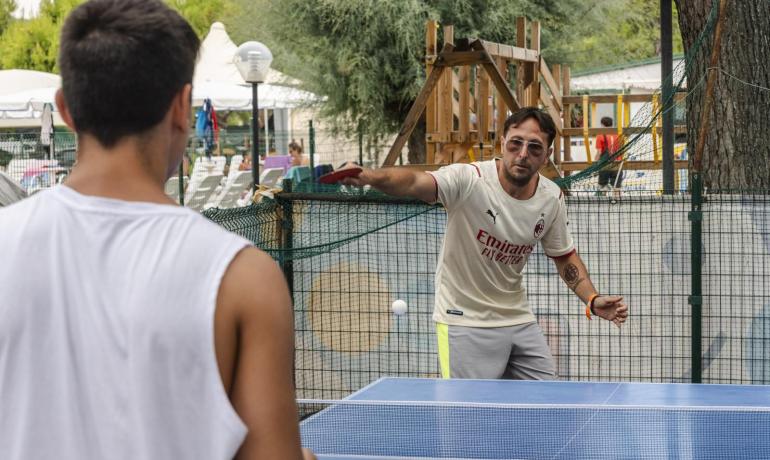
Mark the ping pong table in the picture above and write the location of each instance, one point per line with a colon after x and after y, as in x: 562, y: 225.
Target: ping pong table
x: 404, y: 418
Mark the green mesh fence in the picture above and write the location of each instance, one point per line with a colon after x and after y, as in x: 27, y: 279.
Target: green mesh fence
x: 640, y: 248
x: 692, y: 267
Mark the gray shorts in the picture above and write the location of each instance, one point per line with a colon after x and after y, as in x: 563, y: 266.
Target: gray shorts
x: 513, y: 352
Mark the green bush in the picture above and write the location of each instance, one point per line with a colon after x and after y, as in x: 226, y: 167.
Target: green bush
x: 5, y: 158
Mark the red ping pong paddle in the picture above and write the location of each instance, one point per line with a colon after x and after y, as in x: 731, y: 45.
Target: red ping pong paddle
x: 338, y: 175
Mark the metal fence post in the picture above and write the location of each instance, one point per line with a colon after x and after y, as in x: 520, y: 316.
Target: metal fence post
x: 311, y: 141
x: 696, y: 284
x: 287, y: 233
x: 360, y: 144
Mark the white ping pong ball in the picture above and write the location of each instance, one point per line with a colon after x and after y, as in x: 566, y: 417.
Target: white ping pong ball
x: 398, y: 307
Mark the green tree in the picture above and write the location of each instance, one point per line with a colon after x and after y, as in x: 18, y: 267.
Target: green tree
x: 615, y: 32
x: 366, y: 56
x: 6, y: 8
x: 34, y: 44
x: 202, y: 13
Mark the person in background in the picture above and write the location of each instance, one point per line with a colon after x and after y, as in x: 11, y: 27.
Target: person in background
x: 297, y: 157
x: 610, y: 177
x: 245, y: 163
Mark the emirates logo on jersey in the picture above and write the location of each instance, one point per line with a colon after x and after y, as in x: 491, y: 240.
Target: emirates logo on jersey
x: 539, y: 227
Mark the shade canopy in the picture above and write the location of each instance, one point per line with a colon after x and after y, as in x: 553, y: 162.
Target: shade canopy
x: 17, y: 80
x: 217, y: 78
x: 228, y: 96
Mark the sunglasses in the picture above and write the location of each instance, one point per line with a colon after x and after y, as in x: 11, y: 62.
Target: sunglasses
x: 516, y: 145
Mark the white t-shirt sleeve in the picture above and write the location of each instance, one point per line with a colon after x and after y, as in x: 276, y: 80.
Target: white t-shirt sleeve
x: 453, y: 183
x: 557, y: 241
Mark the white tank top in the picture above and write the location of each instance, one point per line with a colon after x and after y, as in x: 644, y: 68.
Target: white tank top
x: 106, y: 331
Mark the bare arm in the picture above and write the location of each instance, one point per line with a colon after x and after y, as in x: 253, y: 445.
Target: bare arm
x: 398, y: 182
x: 575, y: 275
x: 254, y: 332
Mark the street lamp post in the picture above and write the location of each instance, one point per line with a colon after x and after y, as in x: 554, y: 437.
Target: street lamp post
x: 253, y: 61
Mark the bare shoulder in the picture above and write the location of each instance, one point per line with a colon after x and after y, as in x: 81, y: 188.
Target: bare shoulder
x: 253, y: 278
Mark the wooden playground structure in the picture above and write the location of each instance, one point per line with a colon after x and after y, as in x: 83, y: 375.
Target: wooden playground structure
x: 472, y: 85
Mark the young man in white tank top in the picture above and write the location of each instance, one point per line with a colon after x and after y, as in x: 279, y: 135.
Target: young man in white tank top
x: 497, y: 211
x: 131, y: 328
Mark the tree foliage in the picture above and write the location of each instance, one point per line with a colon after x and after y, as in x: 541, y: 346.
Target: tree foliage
x: 201, y: 13
x: 6, y: 8
x: 615, y: 32
x: 367, y: 56
x: 34, y: 44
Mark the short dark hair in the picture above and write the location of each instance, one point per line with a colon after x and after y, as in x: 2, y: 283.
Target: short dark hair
x: 295, y: 146
x: 122, y: 62
x: 606, y: 121
x: 541, y: 117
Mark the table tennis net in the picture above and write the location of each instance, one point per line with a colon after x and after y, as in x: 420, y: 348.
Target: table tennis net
x: 418, y: 430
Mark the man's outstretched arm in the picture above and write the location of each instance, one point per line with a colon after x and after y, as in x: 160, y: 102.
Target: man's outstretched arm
x: 575, y: 275
x: 398, y: 182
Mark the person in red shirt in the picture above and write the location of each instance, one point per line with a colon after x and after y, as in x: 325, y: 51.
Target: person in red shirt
x: 606, y: 146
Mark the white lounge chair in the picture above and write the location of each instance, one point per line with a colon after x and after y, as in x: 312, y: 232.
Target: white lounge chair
x: 204, y: 167
x: 207, y: 187
x: 232, y: 192
x: 270, y: 177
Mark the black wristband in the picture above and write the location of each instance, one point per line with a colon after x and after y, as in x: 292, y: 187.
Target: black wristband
x: 591, y: 304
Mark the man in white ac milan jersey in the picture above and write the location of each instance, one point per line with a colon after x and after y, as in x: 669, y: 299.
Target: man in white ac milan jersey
x: 497, y: 211
x: 132, y: 328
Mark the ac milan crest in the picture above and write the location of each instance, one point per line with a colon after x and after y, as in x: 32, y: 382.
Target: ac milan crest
x: 539, y: 227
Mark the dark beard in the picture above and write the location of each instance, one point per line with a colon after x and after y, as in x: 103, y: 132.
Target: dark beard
x: 521, y: 181
x: 517, y: 181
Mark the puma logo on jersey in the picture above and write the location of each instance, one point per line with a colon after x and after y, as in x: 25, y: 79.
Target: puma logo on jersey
x: 493, y: 215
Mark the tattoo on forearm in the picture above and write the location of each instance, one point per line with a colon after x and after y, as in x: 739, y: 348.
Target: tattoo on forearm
x: 571, y: 275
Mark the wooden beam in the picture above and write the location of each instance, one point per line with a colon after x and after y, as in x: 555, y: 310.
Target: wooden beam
x: 500, y: 84
x: 465, y: 101
x: 513, y: 53
x: 626, y: 131
x: 502, y: 111
x: 550, y: 82
x: 534, y: 44
x: 414, y: 114
x: 445, y: 91
x: 630, y: 165
x: 613, y: 98
x: 521, y: 42
x: 482, y: 104
x: 431, y: 108
x: 548, y: 104
x: 557, y: 142
x: 458, y: 58
x: 567, y: 112
x: 455, y: 137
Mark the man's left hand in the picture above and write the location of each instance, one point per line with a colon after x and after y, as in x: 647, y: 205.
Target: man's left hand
x: 612, y: 308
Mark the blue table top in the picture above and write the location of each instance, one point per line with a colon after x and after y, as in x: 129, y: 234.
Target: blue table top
x: 495, y: 419
x: 565, y: 393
